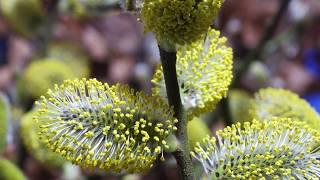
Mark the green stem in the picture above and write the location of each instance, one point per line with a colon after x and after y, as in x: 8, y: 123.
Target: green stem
x: 182, y: 155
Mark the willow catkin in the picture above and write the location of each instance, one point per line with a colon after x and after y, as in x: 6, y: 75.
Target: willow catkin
x: 110, y: 127
x: 204, y: 72
x: 179, y: 22
x: 277, y: 149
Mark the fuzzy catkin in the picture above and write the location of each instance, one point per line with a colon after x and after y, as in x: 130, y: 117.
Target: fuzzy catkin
x: 72, y: 55
x: 271, y: 102
x: 30, y: 138
x: 197, y: 130
x: 277, y: 149
x: 9, y: 171
x: 42, y: 74
x: 204, y: 72
x: 179, y: 22
x: 109, y: 127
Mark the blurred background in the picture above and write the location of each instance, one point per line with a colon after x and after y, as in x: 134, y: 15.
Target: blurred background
x: 276, y: 43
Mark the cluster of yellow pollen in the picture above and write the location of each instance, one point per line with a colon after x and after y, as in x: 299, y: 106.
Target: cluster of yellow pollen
x: 30, y: 138
x: 272, y: 102
x: 96, y: 125
x: 179, y: 22
x: 277, y: 149
x: 204, y: 71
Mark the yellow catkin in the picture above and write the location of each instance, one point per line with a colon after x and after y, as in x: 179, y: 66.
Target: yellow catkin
x: 30, y: 138
x: 204, y: 71
x: 95, y: 125
x: 72, y: 55
x: 9, y: 171
x: 272, y: 102
x: 41, y: 75
x: 179, y: 22
x: 197, y: 130
x: 277, y: 149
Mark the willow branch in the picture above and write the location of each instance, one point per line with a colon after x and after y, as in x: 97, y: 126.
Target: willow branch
x: 182, y: 155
